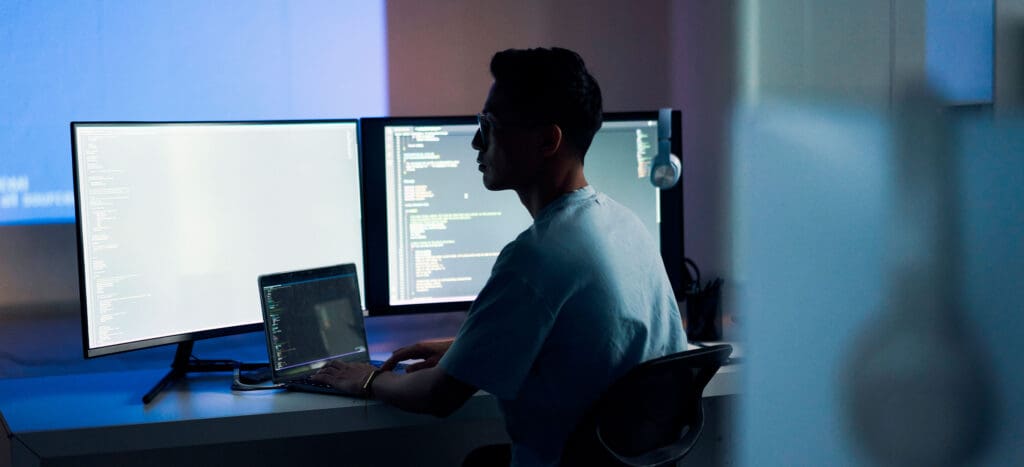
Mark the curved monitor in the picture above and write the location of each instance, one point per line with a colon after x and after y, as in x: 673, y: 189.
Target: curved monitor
x: 177, y: 220
x: 434, y: 231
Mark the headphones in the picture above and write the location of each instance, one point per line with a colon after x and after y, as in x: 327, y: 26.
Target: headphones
x: 666, y: 167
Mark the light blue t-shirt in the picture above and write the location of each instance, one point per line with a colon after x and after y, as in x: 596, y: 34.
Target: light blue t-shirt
x: 574, y: 302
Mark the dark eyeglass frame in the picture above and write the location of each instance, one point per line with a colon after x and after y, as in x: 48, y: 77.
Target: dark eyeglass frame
x: 486, y: 120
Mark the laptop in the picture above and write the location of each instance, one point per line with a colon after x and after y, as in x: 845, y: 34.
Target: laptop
x: 311, y: 317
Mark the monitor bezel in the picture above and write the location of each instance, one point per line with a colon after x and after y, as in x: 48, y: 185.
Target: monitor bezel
x: 375, y: 212
x: 91, y: 352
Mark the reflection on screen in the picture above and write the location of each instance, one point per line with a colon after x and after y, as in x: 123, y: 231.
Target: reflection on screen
x: 314, y: 320
x: 445, y: 229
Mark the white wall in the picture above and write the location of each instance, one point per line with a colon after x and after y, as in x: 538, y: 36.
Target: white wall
x: 847, y: 50
x: 704, y: 80
x: 439, y: 51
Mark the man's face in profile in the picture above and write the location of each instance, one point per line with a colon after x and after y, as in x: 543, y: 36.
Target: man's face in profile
x: 507, y: 146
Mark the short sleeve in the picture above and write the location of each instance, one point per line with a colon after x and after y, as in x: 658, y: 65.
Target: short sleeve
x: 501, y: 337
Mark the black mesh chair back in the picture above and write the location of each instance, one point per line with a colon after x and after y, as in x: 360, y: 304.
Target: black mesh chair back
x: 652, y: 416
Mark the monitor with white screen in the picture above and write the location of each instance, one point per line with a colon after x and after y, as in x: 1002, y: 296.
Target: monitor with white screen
x: 177, y: 220
x: 434, y: 231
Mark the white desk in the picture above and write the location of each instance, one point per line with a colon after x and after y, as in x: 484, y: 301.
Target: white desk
x: 64, y: 417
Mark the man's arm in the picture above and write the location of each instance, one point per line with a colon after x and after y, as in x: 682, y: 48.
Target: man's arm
x: 430, y: 351
x: 430, y: 391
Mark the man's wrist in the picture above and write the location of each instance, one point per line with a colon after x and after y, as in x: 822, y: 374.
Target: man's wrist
x: 367, y: 390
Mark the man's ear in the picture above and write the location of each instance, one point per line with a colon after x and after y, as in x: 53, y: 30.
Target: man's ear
x: 551, y: 140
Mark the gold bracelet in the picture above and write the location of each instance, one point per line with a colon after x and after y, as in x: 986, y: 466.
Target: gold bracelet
x: 367, y: 391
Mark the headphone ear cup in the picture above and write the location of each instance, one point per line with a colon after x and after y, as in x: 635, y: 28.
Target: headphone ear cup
x: 666, y: 167
x: 665, y: 171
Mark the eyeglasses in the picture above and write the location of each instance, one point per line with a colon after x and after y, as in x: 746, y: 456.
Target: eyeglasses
x: 484, y: 123
x: 486, y: 120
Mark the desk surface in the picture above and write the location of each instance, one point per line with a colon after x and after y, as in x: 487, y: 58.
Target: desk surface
x: 102, y: 412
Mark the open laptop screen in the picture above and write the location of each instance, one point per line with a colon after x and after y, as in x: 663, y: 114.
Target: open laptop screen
x: 312, y: 316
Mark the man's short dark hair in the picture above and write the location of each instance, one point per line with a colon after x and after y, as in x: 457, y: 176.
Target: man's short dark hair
x: 546, y: 86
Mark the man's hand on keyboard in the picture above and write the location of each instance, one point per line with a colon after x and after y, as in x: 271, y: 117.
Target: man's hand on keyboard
x: 344, y: 376
x: 430, y: 351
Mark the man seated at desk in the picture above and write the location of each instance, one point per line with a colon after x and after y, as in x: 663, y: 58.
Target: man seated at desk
x: 573, y: 303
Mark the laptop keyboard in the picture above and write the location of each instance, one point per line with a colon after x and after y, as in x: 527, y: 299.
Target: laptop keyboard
x: 308, y: 385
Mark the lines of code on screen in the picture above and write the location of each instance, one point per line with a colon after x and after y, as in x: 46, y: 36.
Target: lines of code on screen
x: 314, y: 320
x: 445, y: 229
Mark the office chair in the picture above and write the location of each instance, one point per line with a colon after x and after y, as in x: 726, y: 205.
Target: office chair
x: 652, y: 416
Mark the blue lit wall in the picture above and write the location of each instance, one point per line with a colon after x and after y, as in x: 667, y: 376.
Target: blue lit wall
x: 958, y: 49
x: 62, y: 61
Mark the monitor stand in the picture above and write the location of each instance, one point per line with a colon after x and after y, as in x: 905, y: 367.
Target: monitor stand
x: 184, y: 364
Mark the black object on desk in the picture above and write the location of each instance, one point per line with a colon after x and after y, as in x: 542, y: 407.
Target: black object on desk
x: 703, y: 308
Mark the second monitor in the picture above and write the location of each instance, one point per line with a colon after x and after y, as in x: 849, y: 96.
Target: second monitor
x: 435, y: 231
